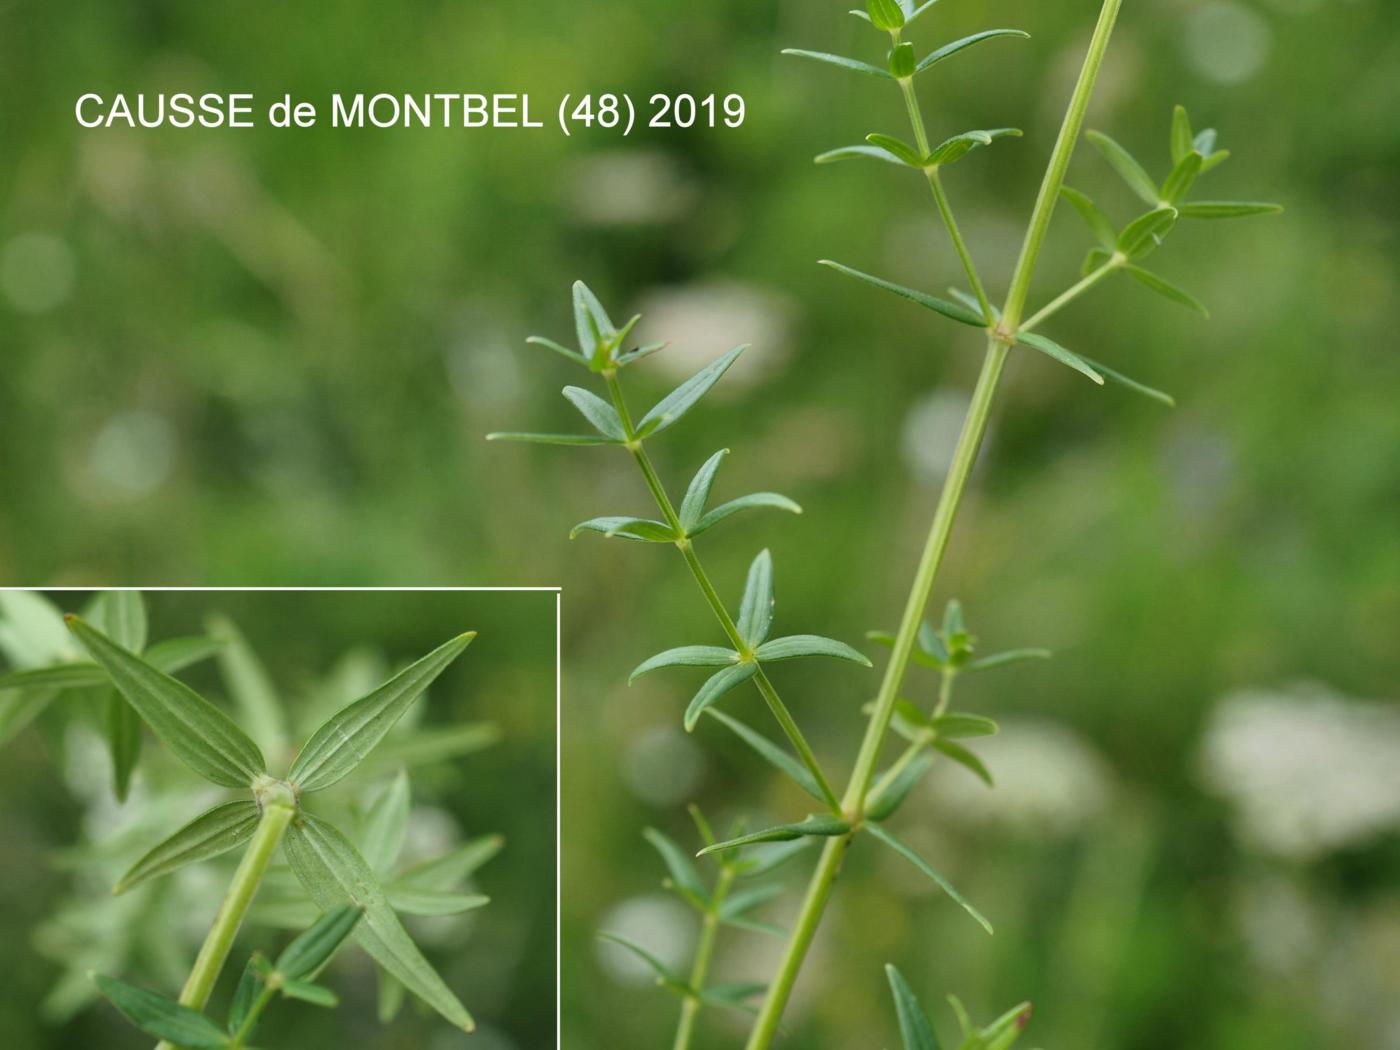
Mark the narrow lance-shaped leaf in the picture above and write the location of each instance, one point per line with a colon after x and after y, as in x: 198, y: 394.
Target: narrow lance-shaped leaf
x: 1123, y: 162
x: 697, y: 494
x: 441, y: 873
x: 930, y: 302
x: 852, y: 64
x: 598, y: 412
x: 1066, y: 357
x: 210, y: 834
x: 955, y: 148
x: 965, y: 758
x: 1163, y: 287
x: 1227, y: 209
x: 333, y: 873
x: 1115, y: 376
x: 433, y: 902
x: 249, y: 685
x: 683, y: 873
x: 686, y: 656
x: 799, y: 645
x: 899, y: 149
x: 1142, y: 235
x: 1098, y: 222
x: 892, y: 797
x: 1010, y: 656
x: 756, y: 606
x: 550, y: 439
x: 343, y: 741
x: 859, y: 152
x: 643, y: 530
x: 755, y: 500
x: 550, y: 344
x: 1183, y: 176
x: 121, y: 616
x: 715, y: 687
x: 161, y: 1017
x: 664, y: 976
x: 250, y: 984
x: 594, y: 328
x: 386, y: 824
x: 924, y: 866
x: 195, y: 731
x: 124, y: 741
x: 680, y: 400
x: 1183, y: 139
x: 308, y: 953
x: 772, y: 754
x: 813, y: 826
x: 949, y: 50
x: 914, y: 1027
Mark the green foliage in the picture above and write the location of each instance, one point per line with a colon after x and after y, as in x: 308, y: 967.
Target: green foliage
x: 916, y: 1030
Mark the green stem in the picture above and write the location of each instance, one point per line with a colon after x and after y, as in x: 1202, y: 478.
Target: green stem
x: 1073, y: 292
x: 974, y: 428
x: 716, y: 603
x: 690, y: 1008
x: 213, y: 954
x: 254, y: 1012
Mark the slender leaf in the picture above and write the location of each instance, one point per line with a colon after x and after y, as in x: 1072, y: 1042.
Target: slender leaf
x: 1143, y: 234
x: 739, y: 904
x: 333, y: 873
x: 715, y: 687
x: 1066, y: 357
x: 1162, y: 286
x: 799, y: 645
x: 249, y: 986
x: 643, y: 530
x: 686, y: 656
x: 813, y: 826
x: 195, y: 731
x: 950, y: 310
x: 1098, y: 222
x: 680, y: 400
x: 698, y: 492
x: 949, y: 50
x: 422, y: 747
x: 550, y: 344
x: 756, y: 606
x: 960, y: 724
x: 598, y: 412
x: 1183, y: 139
x: 249, y: 685
x: 161, y: 1017
x: 897, y: 148
x: 914, y: 1027
x: 342, y: 742
x: 772, y: 754
x: 683, y: 873
x: 123, y: 741
x: 855, y: 65
x: 754, y: 500
x: 210, y: 834
x: 433, y: 902
x: 955, y: 148
x: 893, y: 796
x: 1123, y: 162
x: 386, y: 824
x: 442, y: 873
x: 905, y: 851
x: 663, y: 973
x: 308, y: 953
x: 1182, y: 177
x: 760, y: 861
x: 963, y: 757
x: 594, y: 328
x: 306, y: 992
x: 551, y: 439
x: 175, y: 654
x: 121, y: 616
x: 1114, y: 376
x: 1227, y: 209
x: 1011, y: 656
x: 860, y: 152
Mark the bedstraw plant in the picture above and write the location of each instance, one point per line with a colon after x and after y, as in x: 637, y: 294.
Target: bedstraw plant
x: 328, y: 885
x: 863, y: 808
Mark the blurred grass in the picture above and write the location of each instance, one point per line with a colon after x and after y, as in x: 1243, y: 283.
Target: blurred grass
x: 308, y: 333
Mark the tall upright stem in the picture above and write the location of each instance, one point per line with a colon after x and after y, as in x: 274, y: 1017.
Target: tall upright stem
x: 276, y: 816
x: 964, y: 456
x: 700, y: 968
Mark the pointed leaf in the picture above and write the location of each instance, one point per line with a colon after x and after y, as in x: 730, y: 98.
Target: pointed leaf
x: 798, y: 645
x: 715, y: 687
x: 1227, y: 209
x: 924, y: 866
x: 634, y: 355
x: 1132, y: 384
x: 161, y: 1017
x: 852, y: 64
x: 737, y: 905
x: 550, y: 344
x: 1123, y: 162
x: 772, y: 754
x: 1162, y: 286
x: 959, y: 724
x: 175, y: 654
x: 643, y: 530
x: 422, y: 747
x: 308, y: 953
x: 249, y: 985
x: 591, y: 322
x: 1053, y: 349
x: 1182, y: 178
x: 123, y: 741
x: 195, y: 731
x: 663, y: 974
x: 698, y: 492
x: 897, y: 148
x: 683, y: 873
x: 949, y: 50
x: 598, y: 412
x: 760, y: 861
x: 1214, y: 160
x: 958, y: 146
x: 1143, y: 234
x: 249, y: 685
x: 680, y: 400
x: 210, y: 834
x: 756, y: 606
x: 1094, y: 216
x: 442, y: 873
x: 893, y: 796
x: 914, y: 1027
x: 950, y: 310
x: 551, y: 439
x: 306, y: 992
x: 1183, y: 139
x: 813, y: 826
x: 857, y: 153
x: 333, y: 873
x: 752, y: 501
x: 121, y: 616
x: 963, y: 757
x: 686, y: 656
x: 345, y: 738
x: 1011, y: 656
x: 386, y: 824
x: 433, y: 902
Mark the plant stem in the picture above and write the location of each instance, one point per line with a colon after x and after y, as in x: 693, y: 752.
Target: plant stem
x: 969, y: 440
x: 213, y: 954
x: 690, y: 1008
x: 1072, y: 293
x: 707, y: 588
x: 254, y: 1012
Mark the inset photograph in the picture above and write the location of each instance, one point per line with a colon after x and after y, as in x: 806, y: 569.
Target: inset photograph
x: 278, y: 819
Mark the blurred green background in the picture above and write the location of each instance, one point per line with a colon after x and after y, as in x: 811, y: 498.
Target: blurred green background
x: 67, y: 839
x: 270, y: 356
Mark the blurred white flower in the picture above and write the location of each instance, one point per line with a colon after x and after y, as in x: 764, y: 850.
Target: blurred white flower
x: 702, y: 321
x: 628, y: 188
x: 37, y: 272
x: 660, y: 924
x: 1307, y: 771
x: 931, y: 433
x: 1050, y: 781
x: 134, y: 453
x: 1226, y: 42
x: 662, y: 765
